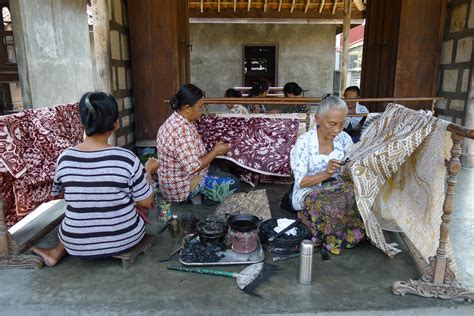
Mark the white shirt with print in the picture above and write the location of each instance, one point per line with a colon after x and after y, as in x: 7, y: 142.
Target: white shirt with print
x: 306, y: 160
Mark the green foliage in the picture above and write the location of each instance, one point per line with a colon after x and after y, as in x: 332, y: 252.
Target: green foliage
x: 219, y: 192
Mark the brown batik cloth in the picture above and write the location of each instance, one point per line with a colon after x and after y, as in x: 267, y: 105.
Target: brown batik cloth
x: 399, y: 174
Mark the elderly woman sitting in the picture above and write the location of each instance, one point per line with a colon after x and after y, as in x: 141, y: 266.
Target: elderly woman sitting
x: 325, y: 202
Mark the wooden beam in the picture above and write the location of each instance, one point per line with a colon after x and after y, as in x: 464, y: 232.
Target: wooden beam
x: 292, y: 6
x: 249, y: 5
x: 272, y: 14
x: 218, y: 5
x: 321, y: 6
x: 279, y: 6
x: 346, y: 27
x: 265, y: 6
x: 291, y: 20
x: 202, y: 6
x: 235, y: 5
x: 334, y: 7
x: 307, y: 6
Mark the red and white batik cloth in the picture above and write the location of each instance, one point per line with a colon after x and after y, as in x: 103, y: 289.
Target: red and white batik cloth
x: 30, y: 143
x: 260, y: 144
x: 179, y: 149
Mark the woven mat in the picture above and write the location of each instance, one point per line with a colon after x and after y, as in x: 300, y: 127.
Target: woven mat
x: 253, y: 202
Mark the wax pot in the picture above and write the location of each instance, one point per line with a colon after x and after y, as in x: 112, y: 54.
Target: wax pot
x: 284, y: 244
x: 243, y: 232
x: 212, y: 231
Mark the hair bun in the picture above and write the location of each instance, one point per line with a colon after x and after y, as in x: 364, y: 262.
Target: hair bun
x: 174, y: 103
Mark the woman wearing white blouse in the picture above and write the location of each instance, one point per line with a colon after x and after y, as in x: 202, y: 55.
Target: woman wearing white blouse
x: 325, y: 202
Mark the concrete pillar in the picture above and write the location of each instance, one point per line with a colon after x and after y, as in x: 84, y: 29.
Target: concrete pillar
x: 53, y: 50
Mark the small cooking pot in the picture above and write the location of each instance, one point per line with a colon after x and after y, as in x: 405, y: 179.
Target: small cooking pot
x: 243, y: 222
x: 243, y: 232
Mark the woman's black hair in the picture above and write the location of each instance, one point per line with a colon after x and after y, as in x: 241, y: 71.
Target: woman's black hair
x: 188, y: 94
x: 260, y: 87
x: 353, y: 88
x: 292, y: 88
x: 99, y: 112
x: 232, y: 93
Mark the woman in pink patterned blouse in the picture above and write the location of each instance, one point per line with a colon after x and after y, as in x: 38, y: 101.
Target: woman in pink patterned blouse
x: 184, y: 162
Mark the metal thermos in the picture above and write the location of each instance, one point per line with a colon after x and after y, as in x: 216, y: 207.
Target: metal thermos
x: 306, y: 262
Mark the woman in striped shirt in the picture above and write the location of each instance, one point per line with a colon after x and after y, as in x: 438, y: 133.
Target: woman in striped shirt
x: 103, y: 187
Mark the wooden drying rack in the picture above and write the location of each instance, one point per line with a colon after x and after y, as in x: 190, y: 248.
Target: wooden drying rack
x: 437, y: 278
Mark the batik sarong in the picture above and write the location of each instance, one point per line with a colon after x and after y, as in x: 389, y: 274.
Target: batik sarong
x: 332, y: 216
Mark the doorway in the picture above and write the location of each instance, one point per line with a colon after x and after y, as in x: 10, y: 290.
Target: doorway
x: 260, y: 62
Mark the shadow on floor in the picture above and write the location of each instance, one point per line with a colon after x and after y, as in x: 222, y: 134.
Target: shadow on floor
x: 358, y: 280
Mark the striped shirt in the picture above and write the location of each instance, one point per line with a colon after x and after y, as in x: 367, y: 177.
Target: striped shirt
x: 101, y: 188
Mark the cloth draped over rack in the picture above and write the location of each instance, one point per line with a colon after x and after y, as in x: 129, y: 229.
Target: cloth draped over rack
x: 30, y: 143
x: 399, y: 174
x: 260, y: 144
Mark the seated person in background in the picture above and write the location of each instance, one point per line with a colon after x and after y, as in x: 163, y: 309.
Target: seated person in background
x: 293, y: 90
x: 184, y: 162
x: 325, y: 202
x: 103, y: 186
x: 353, y: 125
x: 259, y: 90
x: 235, y: 108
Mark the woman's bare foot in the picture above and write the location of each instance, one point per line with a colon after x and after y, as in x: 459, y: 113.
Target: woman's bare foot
x: 52, y: 256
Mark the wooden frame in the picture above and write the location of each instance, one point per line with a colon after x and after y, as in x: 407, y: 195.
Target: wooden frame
x: 437, y: 278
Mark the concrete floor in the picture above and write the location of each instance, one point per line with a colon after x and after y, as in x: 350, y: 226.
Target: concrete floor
x: 357, y: 282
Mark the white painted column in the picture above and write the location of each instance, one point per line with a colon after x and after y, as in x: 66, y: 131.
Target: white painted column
x: 53, y: 51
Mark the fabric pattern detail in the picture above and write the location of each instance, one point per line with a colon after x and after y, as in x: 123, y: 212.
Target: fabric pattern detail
x: 398, y: 173
x: 30, y: 143
x: 258, y: 144
x: 179, y: 149
x: 331, y: 211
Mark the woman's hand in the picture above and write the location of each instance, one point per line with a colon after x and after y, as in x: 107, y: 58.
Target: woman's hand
x: 152, y: 165
x: 333, y: 166
x: 221, y: 148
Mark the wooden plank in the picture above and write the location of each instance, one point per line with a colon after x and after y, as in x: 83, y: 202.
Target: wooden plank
x: 334, y: 7
x: 259, y: 14
x: 279, y: 5
x: 321, y: 7
x: 307, y: 6
x: 37, y: 224
x: 159, y: 39
x: 265, y: 6
x: 292, y: 6
x: 218, y: 5
x: 419, y: 34
x: 345, y: 45
x: 235, y: 5
x: 249, y: 5
x: 380, y: 54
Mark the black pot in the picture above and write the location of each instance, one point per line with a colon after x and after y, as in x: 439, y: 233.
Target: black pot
x: 243, y: 222
x: 212, y: 231
x: 284, y: 244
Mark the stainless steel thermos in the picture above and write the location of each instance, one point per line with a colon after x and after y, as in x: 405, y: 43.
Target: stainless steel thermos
x: 306, y: 262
